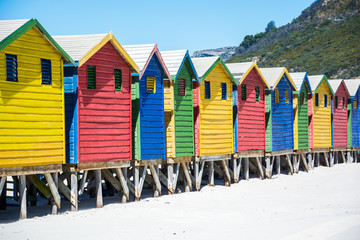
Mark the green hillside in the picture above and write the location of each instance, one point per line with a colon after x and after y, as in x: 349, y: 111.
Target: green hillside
x: 324, y: 39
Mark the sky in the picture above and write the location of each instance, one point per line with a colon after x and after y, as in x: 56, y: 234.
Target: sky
x: 173, y: 25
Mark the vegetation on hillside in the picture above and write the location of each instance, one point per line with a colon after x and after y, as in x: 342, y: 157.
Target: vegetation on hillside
x: 324, y: 39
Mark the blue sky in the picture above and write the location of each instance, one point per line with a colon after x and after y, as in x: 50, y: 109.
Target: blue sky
x: 181, y: 24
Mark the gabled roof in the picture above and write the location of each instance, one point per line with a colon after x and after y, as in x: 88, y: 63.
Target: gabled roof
x: 241, y: 70
x: 316, y: 80
x: 142, y: 54
x: 83, y: 47
x: 336, y: 83
x: 273, y: 76
x: 204, y: 65
x: 299, y: 78
x: 352, y: 86
x: 174, y: 61
x: 10, y: 30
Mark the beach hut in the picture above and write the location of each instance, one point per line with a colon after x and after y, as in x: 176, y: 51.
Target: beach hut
x: 179, y: 105
x: 31, y: 103
x: 301, y: 110
x: 213, y: 111
x: 339, y: 119
x: 353, y: 86
x: 279, y: 110
x: 148, y: 112
x: 98, y: 104
x: 321, y: 111
x: 250, y: 106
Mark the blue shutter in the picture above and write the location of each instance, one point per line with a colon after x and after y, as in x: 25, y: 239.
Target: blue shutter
x: 46, y: 71
x: 223, y: 91
x: 11, y: 68
x: 325, y: 100
x: 207, y: 90
x: 316, y: 99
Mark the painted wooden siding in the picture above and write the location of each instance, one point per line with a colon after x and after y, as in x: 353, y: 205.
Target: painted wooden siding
x: 235, y: 118
x: 135, y: 117
x: 310, y: 116
x: 71, y: 113
x: 355, y: 121
x: 169, y: 118
x: 301, y: 120
x: 282, y: 118
x: 216, y: 134
x: 349, y: 118
x: 340, y: 119
x: 152, y: 118
x: 31, y: 114
x: 105, y: 114
x: 183, y: 111
x: 295, y: 114
x: 196, y: 102
x: 322, y: 119
x: 251, y: 115
x: 268, y: 121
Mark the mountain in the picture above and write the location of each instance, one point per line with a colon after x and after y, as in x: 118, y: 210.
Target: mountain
x: 224, y: 52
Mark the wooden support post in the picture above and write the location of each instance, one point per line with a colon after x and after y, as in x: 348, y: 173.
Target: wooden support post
x: 258, y: 163
x: 176, y: 175
x: 317, y: 159
x: 22, y: 193
x: 235, y: 165
x: 82, y: 182
x: 336, y: 157
x: 306, y: 167
x: 3, y: 193
x: 66, y: 192
x: 326, y: 159
x: 112, y: 180
x: 310, y: 161
x: 227, y: 177
x: 54, y: 190
x: 122, y: 175
x: 268, y: 167
x: 351, y: 159
x: 136, y: 183
x: 187, y: 177
x: 289, y: 164
x: 55, y: 177
x: 246, y: 168
x: 355, y: 156
x: 331, y: 159
x: 278, y: 165
x: 99, y: 199
x: 218, y: 170
x: 211, y: 172
x: 170, y: 178
x: 2, y: 184
x: 74, y: 190
x: 157, y: 186
x: 196, y: 174
x: 199, y: 176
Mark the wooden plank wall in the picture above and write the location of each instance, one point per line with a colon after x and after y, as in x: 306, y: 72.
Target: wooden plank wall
x: 303, y: 119
x: 340, y: 118
x: 31, y: 114
x: 169, y: 118
x: 196, y: 107
x: 105, y: 114
x: 355, y: 121
x: 268, y: 121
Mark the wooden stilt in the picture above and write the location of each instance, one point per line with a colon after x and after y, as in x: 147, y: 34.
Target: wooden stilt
x: 54, y: 191
x: 331, y: 159
x: 74, y: 190
x: 136, y: 183
x: 227, y: 177
x: 235, y: 165
x: 246, y: 168
x: 22, y: 193
x: 355, y: 156
x: 176, y: 176
x: 317, y: 159
x: 82, y: 182
x: 326, y: 159
x: 170, y: 173
x: 199, y: 176
x: 187, y: 177
x: 261, y: 172
x: 157, y: 185
x: 211, y: 172
x: 196, y: 174
x: 278, y: 165
x: 3, y: 193
x: 310, y: 161
x: 55, y: 177
x: 99, y: 199
x: 351, y: 157
x: 268, y: 166
x: 306, y: 167
x: 289, y: 164
x: 122, y: 175
x: 2, y: 184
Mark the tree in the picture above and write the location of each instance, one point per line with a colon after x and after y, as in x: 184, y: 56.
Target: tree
x: 270, y: 26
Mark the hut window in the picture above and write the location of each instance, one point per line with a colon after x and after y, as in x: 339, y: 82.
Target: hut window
x: 316, y: 99
x: 118, y: 79
x: 207, y: 90
x: 150, y: 84
x: 243, y: 92
x: 336, y: 101
x: 302, y: 98
x: 276, y: 95
x: 325, y: 100
x: 182, y: 87
x: 91, y: 77
x: 223, y: 91
x: 354, y: 103
x: 46, y: 71
x: 11, y: 68
x: 343, y: 103
x: 286, y: 96
x: 257, y: 93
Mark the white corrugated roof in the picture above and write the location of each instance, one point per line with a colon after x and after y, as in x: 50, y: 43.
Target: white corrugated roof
x: 334, y: 83
x: 271, y: 75
x: 239, y: 69
x: 140, y: 53
x: 203, y: 64
x: 78, y: 45
x: 298, y: 79
x: 352, y: 86
x: 314, y: 81
x: 7, y: 27
x: 173, y: 60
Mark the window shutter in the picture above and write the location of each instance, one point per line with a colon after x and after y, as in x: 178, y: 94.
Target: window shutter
x: 118, y: 79
x: 316, y: 99
x: 286, y: 96
x: 223, y: 91
x: 257, y: 93
x: 207, y: 90
x: 325, y: 100
x: 11, y: 68
x: 276, y: 95
x: 302, y: 98
x: 354, y: 103
x: 336, y: 101
x: 46, y: 71
x: 182, y: 87
x: 150, y: 84
x: 243, y: 92
x: 91, y: 71
x: 343, y: 103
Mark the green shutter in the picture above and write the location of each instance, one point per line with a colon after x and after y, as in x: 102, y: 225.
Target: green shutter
x: 118, y: 79
x: 91, y: 78
x: 243, y: 92
x: 257, y: 91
